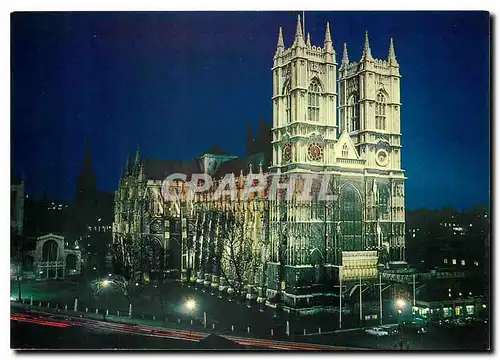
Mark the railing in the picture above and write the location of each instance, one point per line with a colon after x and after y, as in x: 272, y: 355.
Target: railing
x: 51, y: 264
x: 351, y: 161
x: 398, y: 277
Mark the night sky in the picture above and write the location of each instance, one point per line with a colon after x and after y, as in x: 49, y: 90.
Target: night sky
x: 178, y: 83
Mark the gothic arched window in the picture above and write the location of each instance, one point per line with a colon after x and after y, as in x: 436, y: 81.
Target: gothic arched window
x: 314, y: 93
x: 380, y: 112
x: 288, y: 104
x: 345, y: 151
x: 353, y: 113
x: 351, y: 219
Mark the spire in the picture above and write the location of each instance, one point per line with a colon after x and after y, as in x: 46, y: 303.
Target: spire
x: 299, y: 38
x: 392, y: 54
x: 137, y: 155
x: 86, y: 183
x: 308, y: 43
x: 328, y: 39
x: 141, y: 172
x: 128, y: 165
x: 345, y: 57
x: 367, y: 52
x: 281, y: 44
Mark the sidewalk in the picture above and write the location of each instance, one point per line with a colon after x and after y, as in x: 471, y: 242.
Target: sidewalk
x: 183, y: 325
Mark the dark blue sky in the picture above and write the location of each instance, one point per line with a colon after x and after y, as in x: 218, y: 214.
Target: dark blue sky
x: 179, y: 82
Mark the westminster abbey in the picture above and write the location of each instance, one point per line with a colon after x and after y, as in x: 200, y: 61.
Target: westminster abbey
x: 340, y: 122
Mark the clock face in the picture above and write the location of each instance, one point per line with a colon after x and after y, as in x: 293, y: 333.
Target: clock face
x: 382, y: 158
x: 315, y: 152
x: 287, y: 152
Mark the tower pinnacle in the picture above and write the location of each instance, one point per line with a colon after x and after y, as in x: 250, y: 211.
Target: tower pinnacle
x: 392, y: 54
x: 345, y: 57
x: 367, y: 52
x: 328, y: 39
x: 128, y: 165
x: 299, y: 38
x: 137, y: 155
x: 281, y: 44
x: 308, y: 43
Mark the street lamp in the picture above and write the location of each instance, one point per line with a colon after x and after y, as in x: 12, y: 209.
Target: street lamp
x: 341, y: 269
x: 400, y: 304
x: 190, y: 305
x: 105, y: 283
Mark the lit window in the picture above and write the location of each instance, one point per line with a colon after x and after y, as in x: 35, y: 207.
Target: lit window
x: 462, y: 262
x: 470, y: 309
x: 476, y: 263
x: 454, y: 261
x: 313, y: 101
x: 445, y: 261
x: 447, y: 312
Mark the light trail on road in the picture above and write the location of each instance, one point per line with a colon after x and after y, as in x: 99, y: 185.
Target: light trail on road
x: 62, y: 320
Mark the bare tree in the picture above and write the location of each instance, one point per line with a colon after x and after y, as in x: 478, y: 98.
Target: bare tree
x: 236, y: 259
x: 116, y: 283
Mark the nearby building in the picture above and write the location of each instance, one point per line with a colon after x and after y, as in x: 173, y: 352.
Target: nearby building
x: 270, y: 247
x: 17, y: 207
x: 52, y: 259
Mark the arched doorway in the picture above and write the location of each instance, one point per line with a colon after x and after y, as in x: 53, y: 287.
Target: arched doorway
x: 49, y: 250
x: 153, y: 258
x: 317, y: 262
x: 351, y: 219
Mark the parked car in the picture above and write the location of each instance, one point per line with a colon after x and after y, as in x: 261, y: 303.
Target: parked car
x: 391, y: 329
x: 377, y: 331
x: 459, y: 322
x: 447, y: 323
x: 421, y: 330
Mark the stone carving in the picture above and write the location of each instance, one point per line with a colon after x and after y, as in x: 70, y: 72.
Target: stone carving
x: 315, y: 136
x: 385, y: 137
x: 383, y: 145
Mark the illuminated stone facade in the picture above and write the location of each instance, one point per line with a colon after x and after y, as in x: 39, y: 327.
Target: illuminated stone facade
x: 296, y: 247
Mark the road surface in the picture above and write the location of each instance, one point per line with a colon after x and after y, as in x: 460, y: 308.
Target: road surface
x: 45, y: 330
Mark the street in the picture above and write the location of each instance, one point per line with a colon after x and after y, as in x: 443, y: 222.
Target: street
x: 26, y: 335
x: 164, y: 306
x: 472, y: 338
x: 33, y: 329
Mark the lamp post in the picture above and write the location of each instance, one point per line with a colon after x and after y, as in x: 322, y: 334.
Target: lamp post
x: 400, y: 304
x: 341, y: 268
x: 190, y: 305
x: 105, y: 284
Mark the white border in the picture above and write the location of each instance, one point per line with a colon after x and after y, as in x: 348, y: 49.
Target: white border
x: 102, y: 5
